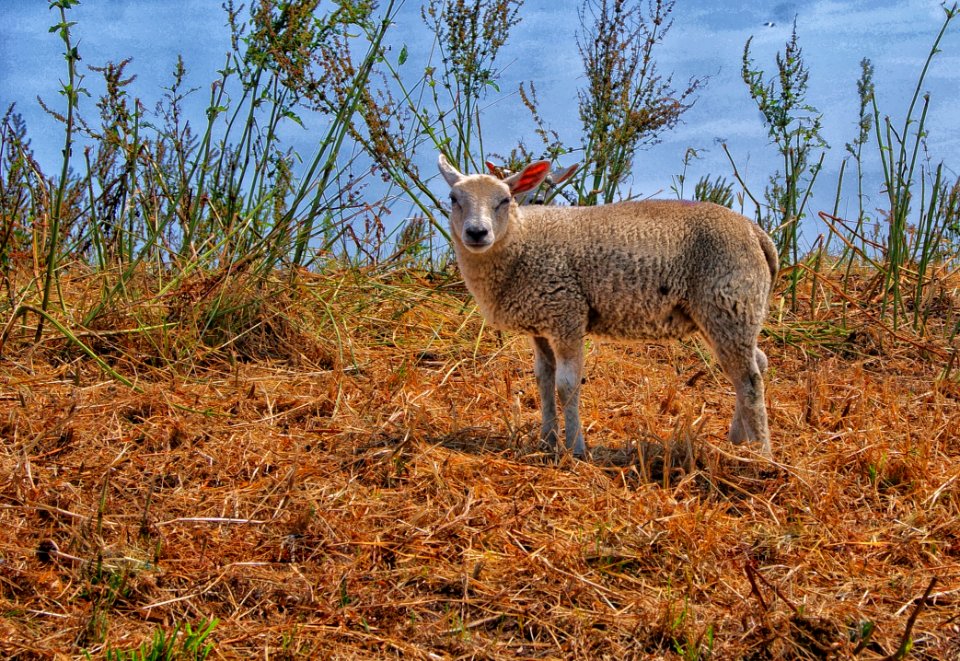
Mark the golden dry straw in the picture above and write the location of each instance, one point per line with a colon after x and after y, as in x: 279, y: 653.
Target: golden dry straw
x: 357, y: 475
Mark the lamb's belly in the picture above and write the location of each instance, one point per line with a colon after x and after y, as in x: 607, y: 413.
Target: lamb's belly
x: 663, y: 324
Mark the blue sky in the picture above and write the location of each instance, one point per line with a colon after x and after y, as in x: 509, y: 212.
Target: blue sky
x: 707, y: 39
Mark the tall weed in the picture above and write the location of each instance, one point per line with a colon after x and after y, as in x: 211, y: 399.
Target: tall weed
x: 627, y: 103
x: 900, y: 154
x: 794, y: 128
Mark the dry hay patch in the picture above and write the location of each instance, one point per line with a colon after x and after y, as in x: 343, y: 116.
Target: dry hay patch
x: 395, y: 502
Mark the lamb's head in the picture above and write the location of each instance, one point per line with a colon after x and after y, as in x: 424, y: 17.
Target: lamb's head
x: 483, y: 206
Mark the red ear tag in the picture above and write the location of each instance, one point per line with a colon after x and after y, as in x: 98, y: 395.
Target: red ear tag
x: 530, y: 177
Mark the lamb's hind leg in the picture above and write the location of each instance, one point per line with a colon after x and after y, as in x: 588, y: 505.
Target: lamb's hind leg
x: 738, y: 433
x: 569, y: 356
x: 545, y: 369
x: 744, y: 367
x: 732, y: 332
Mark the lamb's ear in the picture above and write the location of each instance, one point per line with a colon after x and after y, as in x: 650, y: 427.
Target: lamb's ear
x: 450, y: 173
x: 493, y: 170
x: 561, y: 176
x: 528, y: 178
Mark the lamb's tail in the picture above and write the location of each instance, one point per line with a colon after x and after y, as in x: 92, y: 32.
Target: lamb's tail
x: 769, y: 252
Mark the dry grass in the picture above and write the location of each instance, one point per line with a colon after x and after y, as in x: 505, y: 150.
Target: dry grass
x: 358, y: 477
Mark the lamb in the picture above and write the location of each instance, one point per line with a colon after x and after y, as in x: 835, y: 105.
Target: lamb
x: 652, y: 270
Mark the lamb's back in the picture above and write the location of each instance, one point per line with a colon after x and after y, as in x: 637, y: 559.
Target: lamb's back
x: 638, y: 270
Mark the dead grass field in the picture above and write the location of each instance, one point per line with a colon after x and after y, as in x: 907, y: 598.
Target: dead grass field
x: 357, y: 476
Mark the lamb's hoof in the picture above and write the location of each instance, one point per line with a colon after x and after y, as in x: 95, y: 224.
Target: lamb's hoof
x: 762, y: 449
x: 559, y: 452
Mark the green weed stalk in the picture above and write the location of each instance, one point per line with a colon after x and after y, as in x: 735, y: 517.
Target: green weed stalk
x: 627, y: 102
x: 794, y: 127
x: 71, y: 90
x: 899, y: 154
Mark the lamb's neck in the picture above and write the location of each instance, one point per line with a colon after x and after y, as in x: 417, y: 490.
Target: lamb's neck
x: 486, y: 273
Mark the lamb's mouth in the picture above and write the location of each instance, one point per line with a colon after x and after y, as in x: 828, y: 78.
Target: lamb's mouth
x: 477, y: 246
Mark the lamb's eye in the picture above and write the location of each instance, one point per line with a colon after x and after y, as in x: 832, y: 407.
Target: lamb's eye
x: 454, y: 201
x: 503, y: 203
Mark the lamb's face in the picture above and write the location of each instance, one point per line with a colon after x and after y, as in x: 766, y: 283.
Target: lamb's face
x: 482, y: 206
x: 480, y: 211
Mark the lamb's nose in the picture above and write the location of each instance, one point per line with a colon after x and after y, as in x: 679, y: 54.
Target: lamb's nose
x: 477, y: 234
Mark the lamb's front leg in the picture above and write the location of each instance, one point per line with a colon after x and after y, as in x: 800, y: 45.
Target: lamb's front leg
x: 545, y: 369
x: 569, y: 357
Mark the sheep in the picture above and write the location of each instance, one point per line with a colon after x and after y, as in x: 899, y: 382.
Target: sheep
x: 651, y: 270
